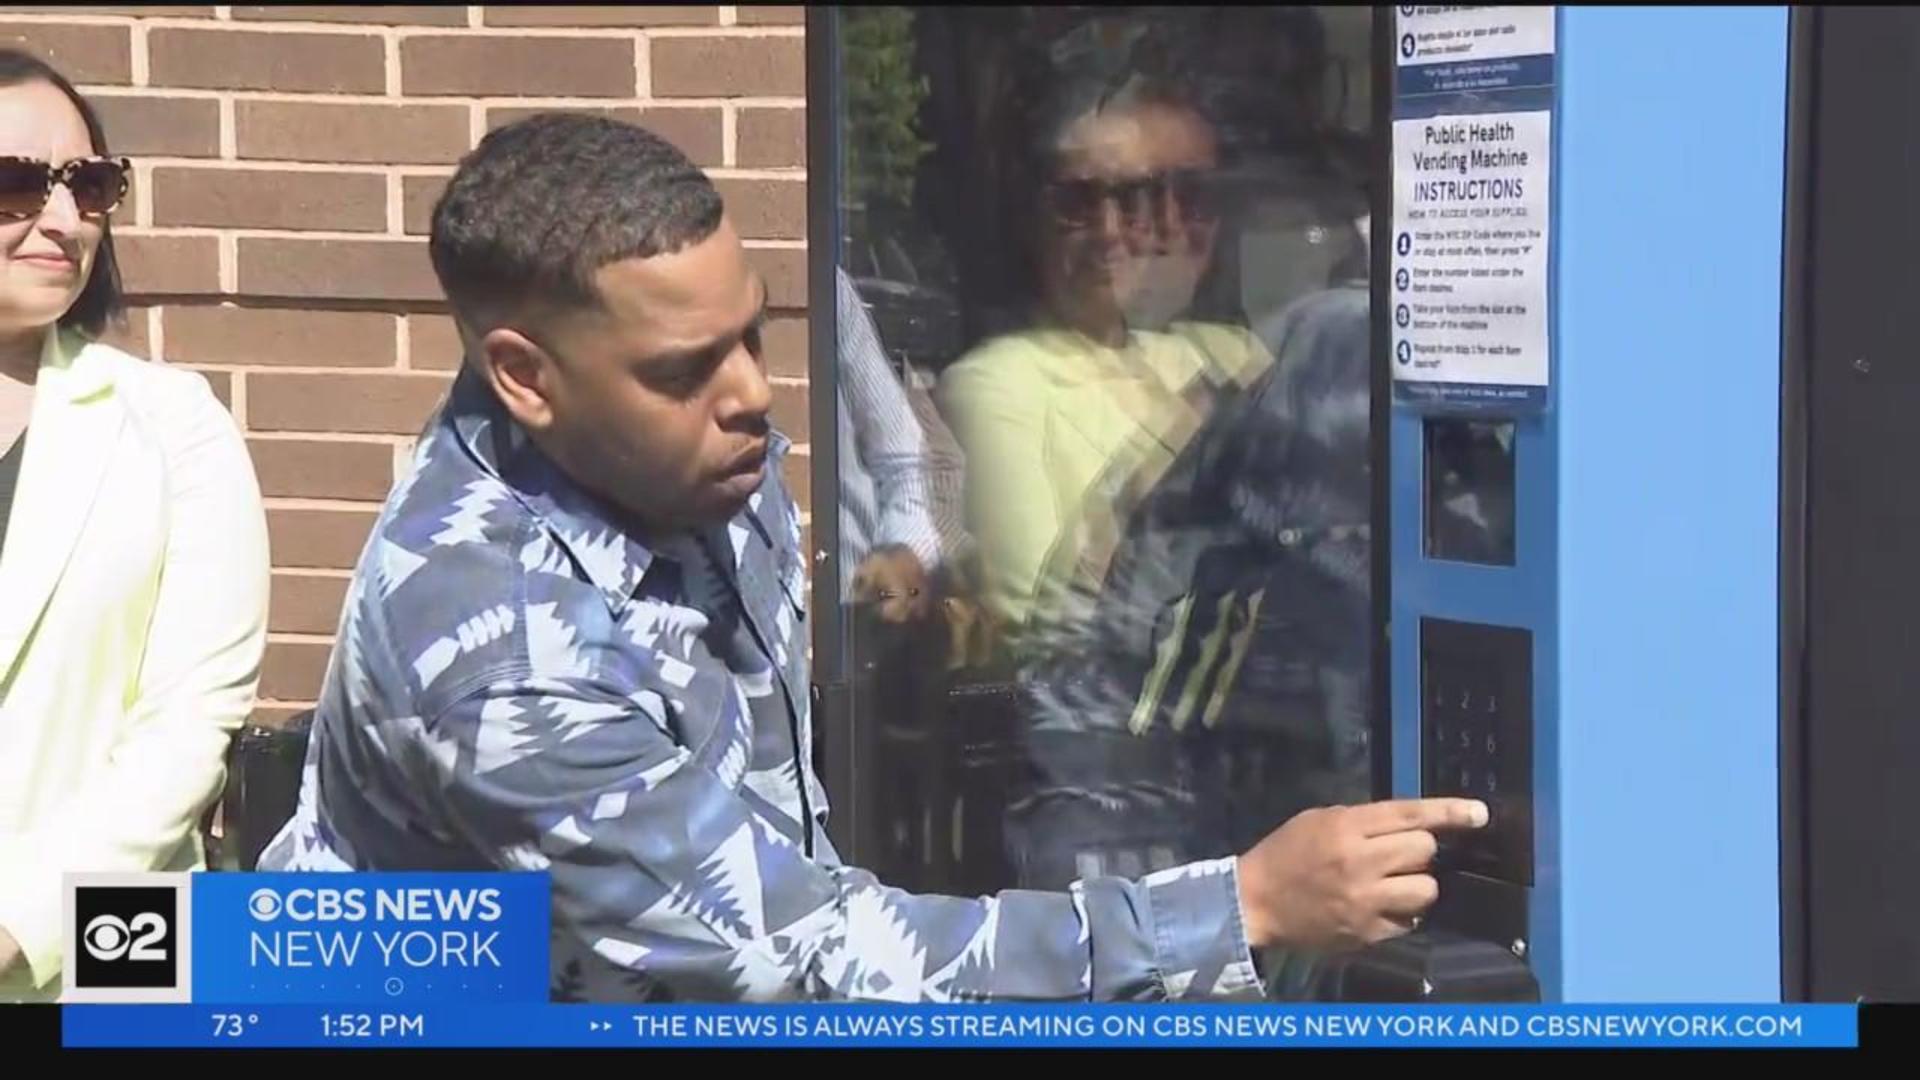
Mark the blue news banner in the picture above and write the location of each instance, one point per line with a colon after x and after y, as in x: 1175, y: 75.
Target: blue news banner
x: 957, y: 1026
x: 461, y: 960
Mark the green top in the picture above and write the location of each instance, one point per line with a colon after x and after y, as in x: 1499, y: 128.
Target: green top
x: 9, y: 480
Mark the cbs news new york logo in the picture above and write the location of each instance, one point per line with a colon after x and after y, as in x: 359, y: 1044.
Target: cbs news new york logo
x: 128, y: 938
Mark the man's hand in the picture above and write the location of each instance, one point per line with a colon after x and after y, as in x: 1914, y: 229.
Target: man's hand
x: 9, y: 952
x: 891, y: 577
x: 1341, y: 878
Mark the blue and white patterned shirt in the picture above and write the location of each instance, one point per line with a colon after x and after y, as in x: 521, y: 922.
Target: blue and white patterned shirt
x: 519, y: 684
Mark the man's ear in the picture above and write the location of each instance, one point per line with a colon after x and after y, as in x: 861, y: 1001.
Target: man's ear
x: 521, y: 374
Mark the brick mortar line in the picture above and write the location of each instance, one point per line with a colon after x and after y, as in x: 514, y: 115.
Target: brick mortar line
x: 143, y: 179
x: 394, y: 191
x: 390, y: 62
x: 228, y: 237
x: 404, y: 30
x: 363, y: 438
x: 333, y: 572
x: 263, y: 301
x: 738, y: 30
x: 594, y: 33
x: 140, y: 62
x: 302, y: 502
x: 320, y: 168
x: 642, y: 67
x: 252, y: 431
x: 229, y: 128
x: 793, y: 173
x: 758, y: 172
x: 402, y: 345
x: 341, y: 305
x: 229, y: 246
x: 235, y: 232
x: 248, y: 232
x: 414, y: 374
x: 485, y: 101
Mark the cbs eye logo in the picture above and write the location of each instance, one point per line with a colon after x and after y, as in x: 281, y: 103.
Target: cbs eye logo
x: 108, y: 937
x: 126, y: 942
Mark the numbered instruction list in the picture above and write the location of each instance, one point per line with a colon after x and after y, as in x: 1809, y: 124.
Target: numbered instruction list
x: 1471, y: 211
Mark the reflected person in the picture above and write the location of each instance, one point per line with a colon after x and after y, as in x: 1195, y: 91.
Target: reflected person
x: 889, y: 547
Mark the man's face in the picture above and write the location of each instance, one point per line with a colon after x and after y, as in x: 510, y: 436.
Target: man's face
x: 657, y: 401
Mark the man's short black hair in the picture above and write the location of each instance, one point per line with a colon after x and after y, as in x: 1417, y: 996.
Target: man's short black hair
x: 543, y: 203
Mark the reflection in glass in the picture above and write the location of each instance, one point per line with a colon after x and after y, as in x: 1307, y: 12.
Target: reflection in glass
x: 1116, y: 259
x: 1469, y: 491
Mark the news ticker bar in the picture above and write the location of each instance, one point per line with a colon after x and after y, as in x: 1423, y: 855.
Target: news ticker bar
x: 964, y: 1026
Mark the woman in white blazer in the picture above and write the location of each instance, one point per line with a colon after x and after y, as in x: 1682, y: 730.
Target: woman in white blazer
x: 133, y: 551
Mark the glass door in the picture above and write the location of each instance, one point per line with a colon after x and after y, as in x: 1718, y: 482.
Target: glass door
x: 1097, y: 373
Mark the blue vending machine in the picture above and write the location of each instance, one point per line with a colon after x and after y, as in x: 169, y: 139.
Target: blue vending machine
x: 1577, y: 304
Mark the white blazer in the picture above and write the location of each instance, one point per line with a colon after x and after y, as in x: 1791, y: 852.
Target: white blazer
x: 133, y: 618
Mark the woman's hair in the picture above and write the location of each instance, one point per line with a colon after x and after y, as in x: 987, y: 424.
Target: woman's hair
x: 100, y: 301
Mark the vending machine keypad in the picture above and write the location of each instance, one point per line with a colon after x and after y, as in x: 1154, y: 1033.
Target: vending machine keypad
x: 1476, y: 723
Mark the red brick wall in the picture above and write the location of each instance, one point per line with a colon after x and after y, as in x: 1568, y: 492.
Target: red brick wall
x: 287, y: 159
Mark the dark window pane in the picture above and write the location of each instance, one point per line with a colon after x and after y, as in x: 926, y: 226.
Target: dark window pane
x: 1104, y: 430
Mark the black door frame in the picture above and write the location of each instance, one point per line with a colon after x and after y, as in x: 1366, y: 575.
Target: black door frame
x: 1845, y: 678
x: 1380, y: 399
x: 1796, y: 387
x: 838, y: 732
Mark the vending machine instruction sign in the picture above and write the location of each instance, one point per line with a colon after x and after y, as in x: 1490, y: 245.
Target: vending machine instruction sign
x: 1472, y: 206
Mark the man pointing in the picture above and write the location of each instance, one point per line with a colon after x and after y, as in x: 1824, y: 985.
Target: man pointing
x: 576, y: 643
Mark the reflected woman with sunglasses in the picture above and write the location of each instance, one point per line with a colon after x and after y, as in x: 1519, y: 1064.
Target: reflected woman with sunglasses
x: 1070, y: 420
x: 1069, y: 425
x: 133, y: 551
